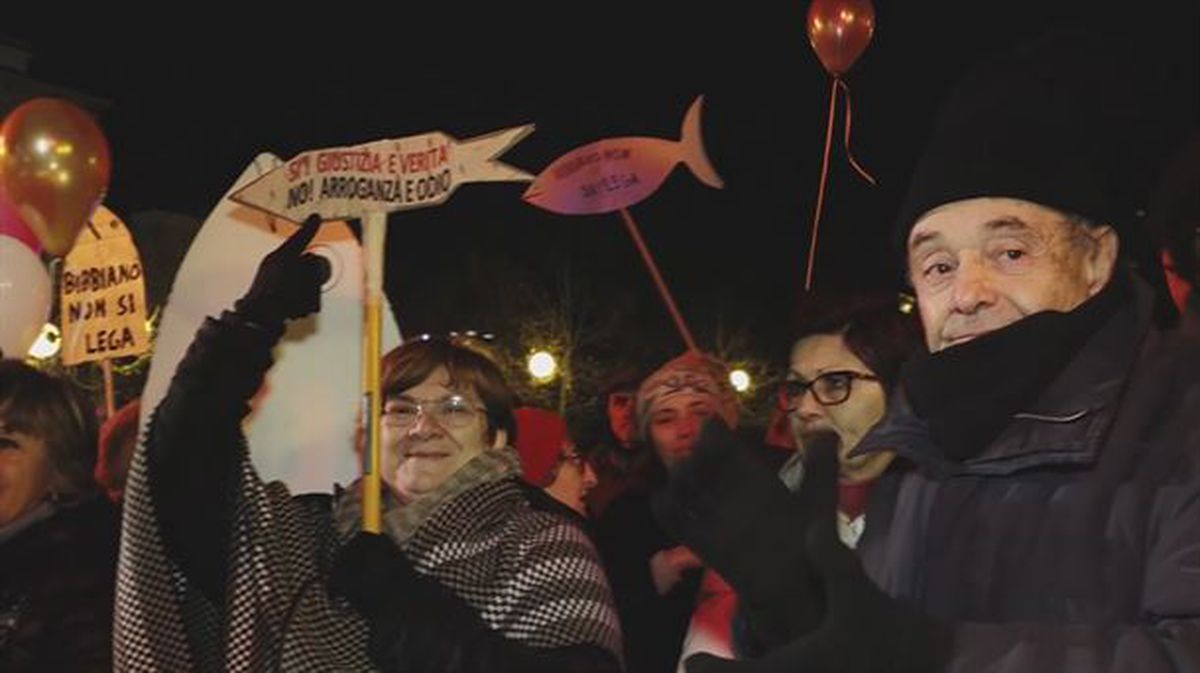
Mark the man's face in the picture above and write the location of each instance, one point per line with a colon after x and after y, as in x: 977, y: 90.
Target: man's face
x: 851, y: 419
x: 572, y: 480
x: 25, y: 473
x: 675, y: 424
x: 422, y: 449
x: 620, y: 417
x: 981, y: 264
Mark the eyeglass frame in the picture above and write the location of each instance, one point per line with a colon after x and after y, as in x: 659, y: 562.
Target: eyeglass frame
x: 574, y: 458
x: 790, y: 403
x: 435, y: 415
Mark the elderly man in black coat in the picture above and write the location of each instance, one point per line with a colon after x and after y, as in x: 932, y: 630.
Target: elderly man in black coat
x: 1050, y: 520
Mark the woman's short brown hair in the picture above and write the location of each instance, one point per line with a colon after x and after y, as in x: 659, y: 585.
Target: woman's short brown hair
x: 408, y: 365
x: 870, y: 323
x: 52, y: 409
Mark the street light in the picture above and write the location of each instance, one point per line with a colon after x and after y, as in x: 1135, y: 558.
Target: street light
x: 740, y: 380
x: 542, y: 366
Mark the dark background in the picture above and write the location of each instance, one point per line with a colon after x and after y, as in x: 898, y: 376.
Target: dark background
x: 194, y: 96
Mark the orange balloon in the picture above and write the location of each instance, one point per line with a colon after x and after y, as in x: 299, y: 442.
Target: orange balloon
x: 54, y: 169
x: 839, y: 31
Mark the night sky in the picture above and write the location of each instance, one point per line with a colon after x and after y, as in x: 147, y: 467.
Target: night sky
x: 193, y: 101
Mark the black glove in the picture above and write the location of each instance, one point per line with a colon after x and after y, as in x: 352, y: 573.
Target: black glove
x: 419, y: 626
x: 738, y: 516
x: 288, y: 282
x: 864, y: 630
x: 415, y: 623
x: 367, y: 570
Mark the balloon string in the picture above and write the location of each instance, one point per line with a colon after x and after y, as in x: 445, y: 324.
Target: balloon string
x: 850, y: 155
x: 816, y: 223
x: 658, y: 280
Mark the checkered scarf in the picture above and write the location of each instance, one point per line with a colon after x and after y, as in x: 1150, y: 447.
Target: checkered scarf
x: 533, y: 576
x: 402, y: 520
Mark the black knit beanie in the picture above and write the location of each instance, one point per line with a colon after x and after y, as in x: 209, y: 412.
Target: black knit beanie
x: 1060, y: 122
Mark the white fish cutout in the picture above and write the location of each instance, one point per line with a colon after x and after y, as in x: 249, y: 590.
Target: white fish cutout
x: 303, y: 427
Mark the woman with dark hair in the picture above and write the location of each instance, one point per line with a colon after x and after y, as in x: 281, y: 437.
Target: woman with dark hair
x: 843, y: 366
x: 58, y: 533
x: 467, y: 576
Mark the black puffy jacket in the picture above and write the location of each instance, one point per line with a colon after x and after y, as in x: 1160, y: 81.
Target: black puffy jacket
x: 56, y: 591
x: 1072, y: 543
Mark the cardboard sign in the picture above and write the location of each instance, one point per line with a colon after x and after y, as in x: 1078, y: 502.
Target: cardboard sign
x: 103, y: 294
x: 382, y: 176
x: 615, y: 173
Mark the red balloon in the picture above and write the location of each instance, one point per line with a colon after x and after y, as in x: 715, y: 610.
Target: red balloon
x: 54, y: 169
x: 839, y: 31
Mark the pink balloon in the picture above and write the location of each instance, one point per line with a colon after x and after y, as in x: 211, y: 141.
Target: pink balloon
x: 25, y: 293
x: 11, y: 224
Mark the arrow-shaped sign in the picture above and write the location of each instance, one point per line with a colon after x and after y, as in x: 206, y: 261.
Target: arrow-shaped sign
x: 382, y: 176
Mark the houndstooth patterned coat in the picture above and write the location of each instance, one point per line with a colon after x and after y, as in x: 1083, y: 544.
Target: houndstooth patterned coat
x: 262, y: 604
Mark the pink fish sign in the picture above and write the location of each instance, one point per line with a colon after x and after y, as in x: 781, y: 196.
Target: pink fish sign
x: 615, y: 173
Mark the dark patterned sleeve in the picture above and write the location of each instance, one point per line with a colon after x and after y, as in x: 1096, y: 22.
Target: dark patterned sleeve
x: 194, y: 445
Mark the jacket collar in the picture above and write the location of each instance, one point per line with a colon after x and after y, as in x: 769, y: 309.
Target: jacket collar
x: 1067, y: 424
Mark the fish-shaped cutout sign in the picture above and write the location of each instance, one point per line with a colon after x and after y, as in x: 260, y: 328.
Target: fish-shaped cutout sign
x: 302, y: 429
x: 615, y: 173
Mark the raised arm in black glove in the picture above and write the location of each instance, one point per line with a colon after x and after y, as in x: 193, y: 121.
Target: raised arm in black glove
x: 740, y: 518
x: 288, y: 282
x: 194, y: 442
x: 419, y: 626
x: 863, y: 631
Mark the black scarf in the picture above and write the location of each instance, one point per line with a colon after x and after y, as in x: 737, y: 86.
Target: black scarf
x: 969, y: 392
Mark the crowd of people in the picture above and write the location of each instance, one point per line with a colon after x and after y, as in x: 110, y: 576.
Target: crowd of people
x: 1006, y: 480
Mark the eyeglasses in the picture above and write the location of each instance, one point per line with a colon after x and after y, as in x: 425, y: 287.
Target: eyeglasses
x: 450, y: 412
x: 574, y: 458
x: 828, y: 389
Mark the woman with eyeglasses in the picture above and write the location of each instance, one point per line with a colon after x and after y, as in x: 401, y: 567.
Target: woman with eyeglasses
x: 551, y: 462
x: 843, y: 364
x: 469, y: 575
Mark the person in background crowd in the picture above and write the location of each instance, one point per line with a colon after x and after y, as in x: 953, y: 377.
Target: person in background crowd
x: 657, y: 580
x: 1173, y: 217
x: 58, y: 533
x: 620, y: 461
x: 844, y: 366
x: 551, y: 461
